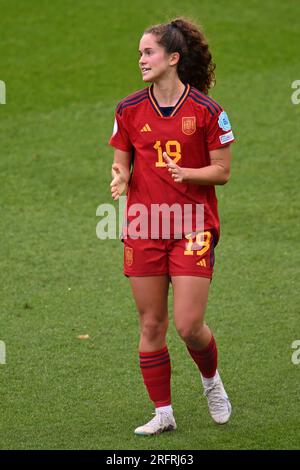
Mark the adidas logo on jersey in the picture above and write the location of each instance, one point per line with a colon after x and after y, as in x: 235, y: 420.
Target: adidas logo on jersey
x: 146, y: 128
x: 202, y: 262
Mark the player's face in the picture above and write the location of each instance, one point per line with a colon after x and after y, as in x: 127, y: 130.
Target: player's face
x: 154, y: 61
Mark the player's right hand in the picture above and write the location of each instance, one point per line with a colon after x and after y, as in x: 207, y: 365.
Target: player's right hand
x: 119, y: 181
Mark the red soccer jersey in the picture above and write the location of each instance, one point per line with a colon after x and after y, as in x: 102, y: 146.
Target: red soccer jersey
x: 197, y: 125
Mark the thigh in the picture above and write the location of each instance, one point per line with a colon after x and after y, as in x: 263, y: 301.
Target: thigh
x: 151, y: 295
x: 190, y: 295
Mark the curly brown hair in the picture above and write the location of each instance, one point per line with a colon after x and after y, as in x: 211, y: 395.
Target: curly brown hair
x: 195, y: 65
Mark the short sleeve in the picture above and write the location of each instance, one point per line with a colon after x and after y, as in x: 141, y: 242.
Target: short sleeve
x: 120, y: 138
x: 218, y: 130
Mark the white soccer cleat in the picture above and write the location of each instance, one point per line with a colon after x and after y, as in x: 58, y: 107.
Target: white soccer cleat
x: 218, y: 402
x: 160, y: 423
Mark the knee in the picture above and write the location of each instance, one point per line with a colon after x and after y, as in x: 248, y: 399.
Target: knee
x: 189, y: 332
x: 153, y: 328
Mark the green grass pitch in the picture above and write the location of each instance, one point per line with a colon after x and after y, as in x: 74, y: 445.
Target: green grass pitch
x: 65, y: 65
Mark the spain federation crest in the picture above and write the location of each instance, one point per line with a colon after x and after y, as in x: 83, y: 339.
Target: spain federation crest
x: 128, y: 256
x: 189, y: 125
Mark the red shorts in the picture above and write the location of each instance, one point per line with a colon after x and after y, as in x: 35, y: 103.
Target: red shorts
x: 192, y: 256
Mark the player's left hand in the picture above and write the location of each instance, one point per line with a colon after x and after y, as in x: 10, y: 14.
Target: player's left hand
x: 177, y: 172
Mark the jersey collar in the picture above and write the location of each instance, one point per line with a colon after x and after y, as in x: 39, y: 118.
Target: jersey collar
x: 176, y: 107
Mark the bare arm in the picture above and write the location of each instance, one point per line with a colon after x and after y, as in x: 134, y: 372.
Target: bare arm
x: 217, y: 173
x: 120, y: 173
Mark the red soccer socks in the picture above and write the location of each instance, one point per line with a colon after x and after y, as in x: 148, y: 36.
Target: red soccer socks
x: 156, y: 372
x: 206, y: 359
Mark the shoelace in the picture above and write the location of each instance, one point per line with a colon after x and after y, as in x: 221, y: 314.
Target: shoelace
x: 215, y: 397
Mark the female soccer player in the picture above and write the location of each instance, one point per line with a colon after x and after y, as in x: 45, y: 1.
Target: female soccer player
x: 172, y: 146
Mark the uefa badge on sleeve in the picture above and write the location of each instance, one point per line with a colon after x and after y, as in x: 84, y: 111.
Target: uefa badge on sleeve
x: 223, y: 122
